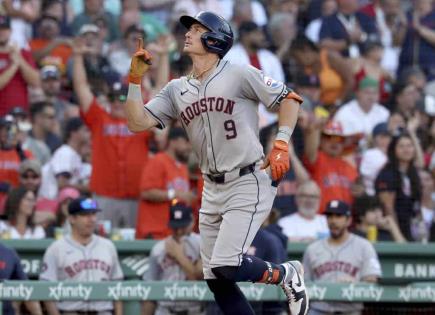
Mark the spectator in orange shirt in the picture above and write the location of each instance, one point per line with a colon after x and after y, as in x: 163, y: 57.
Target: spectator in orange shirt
x: 164, y: 178
x: 48, y: 42
x: 325, y: 163
x: 17, y: 71
x: 117, y: 154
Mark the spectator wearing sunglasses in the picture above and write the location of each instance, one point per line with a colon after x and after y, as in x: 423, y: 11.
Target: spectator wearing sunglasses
x: 324, y: 158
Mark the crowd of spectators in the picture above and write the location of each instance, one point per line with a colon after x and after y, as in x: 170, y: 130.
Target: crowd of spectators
x: 365, y: 135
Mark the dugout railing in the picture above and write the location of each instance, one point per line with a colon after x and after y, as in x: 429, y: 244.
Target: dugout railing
x: 416, y: 297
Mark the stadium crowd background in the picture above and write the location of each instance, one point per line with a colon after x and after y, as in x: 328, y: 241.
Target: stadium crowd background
x: 365, y: 135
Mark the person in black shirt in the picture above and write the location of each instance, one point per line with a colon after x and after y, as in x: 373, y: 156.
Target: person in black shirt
x: 398, y: 184
x: 369, y: 211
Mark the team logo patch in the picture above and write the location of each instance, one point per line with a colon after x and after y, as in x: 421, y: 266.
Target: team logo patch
x: 270, y: 82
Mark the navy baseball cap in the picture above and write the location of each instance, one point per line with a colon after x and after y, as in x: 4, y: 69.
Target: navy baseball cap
x: 337, y: 207
x: 180, y: 215
x: 380, y: 129
x: 83, y: 205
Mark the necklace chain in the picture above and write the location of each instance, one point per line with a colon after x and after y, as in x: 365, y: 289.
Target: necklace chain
x: 194, y: 76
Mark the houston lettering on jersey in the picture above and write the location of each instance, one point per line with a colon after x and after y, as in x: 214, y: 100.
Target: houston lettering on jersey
x: 207, y: 104
x: 87, y: 264
x: 334, y: 266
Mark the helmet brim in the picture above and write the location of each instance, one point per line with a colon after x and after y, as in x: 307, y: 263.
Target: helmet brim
x: 188, y: 21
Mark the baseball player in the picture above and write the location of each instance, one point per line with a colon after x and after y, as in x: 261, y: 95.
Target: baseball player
x: 176, y: 258
x: 217, y: 104
x: 82, y: 256
x: 342, y: 257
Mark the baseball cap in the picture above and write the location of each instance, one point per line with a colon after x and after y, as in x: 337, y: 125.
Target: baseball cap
x: 368, y: 82
x: 247, y: 27
x: 333, y: 128
x: 380, y: 129
x: 83, y: 205
x: 50, y: 72
x: 180, y: 215
x: 5, y: 21
x: 89, y: 28
x: 68, y: 192
x: 30, y: 165
x: 337, y: 207
x: 118, y: 90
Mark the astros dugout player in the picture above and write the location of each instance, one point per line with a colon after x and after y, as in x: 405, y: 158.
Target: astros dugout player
x: 217, y: 104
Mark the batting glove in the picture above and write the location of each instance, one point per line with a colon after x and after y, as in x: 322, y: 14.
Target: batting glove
x: 278, y: 160
x: 140, y: 63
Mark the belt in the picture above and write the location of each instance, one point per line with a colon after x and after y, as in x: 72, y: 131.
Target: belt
x: 229, y: 176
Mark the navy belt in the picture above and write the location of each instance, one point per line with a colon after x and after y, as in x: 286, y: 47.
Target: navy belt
x: 220, y: 178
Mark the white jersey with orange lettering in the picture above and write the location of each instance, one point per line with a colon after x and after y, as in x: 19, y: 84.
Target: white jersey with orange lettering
x: 67, y: 260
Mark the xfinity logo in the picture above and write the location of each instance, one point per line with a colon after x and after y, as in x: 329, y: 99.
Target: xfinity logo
x: 129, y: 291
x: 70, y: 291
x: 19, y: 292
x: 176, y: 291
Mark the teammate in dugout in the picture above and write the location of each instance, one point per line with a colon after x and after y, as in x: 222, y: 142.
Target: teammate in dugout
x: 217, y: 104
x: 82, y: 256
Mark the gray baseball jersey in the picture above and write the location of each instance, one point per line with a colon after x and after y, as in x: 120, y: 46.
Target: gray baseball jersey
x: 163, y: 267
x: 67, y: 260
x: 350, y: 262
x: 220, y: 114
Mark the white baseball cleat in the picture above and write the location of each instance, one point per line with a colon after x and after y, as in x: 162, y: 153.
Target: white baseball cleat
x: 294, y: 288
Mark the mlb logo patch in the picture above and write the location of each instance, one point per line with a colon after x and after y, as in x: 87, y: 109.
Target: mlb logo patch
x: 270, y: 82
x: 178, y: 214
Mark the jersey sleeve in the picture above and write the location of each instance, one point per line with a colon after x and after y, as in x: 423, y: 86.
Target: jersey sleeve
x: 162, y: 107
x: 154, y: 271
x: 117, y: 273
x: 385, y: 181
x: 259, y: 87
x: 49, y: 265
x: 371, y: 265
x: 308, y: 274
x: 18, y: 272
x: 93, y: 116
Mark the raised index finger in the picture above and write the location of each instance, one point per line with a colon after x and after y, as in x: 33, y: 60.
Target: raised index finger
x: 139, y: 43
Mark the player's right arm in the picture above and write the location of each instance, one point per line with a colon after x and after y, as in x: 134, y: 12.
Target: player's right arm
x: 137, y: 118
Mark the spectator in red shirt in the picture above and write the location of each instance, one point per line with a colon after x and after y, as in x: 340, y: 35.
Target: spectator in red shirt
x: 17, y: 71
x: 325, y: 162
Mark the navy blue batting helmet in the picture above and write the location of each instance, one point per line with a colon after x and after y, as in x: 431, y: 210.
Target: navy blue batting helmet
x: 219, y: 38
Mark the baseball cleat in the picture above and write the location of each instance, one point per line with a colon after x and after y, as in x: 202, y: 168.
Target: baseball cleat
x: 294, y: 288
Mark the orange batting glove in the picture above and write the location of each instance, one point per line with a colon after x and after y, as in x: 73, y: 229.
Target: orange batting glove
x: 140, y: 62
x: 278, y: 160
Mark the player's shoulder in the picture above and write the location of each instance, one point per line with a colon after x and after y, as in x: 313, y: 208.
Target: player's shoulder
x: 316, y: 246
x: 103, y: 242
x: 158, y: 248
x: 359, y: 241
x: 235, y: 68
x: 58, y: 245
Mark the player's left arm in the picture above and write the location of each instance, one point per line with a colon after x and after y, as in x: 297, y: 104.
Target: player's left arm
x: 278, y: 158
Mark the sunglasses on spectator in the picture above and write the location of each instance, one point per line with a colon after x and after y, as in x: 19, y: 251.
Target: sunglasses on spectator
x: 30, y: 176
x: 333, y: 138
x: 121, y: 98
x: 309, y: 196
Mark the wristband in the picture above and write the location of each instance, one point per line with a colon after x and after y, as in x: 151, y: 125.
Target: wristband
x: 134, y: 92
x: 284, y: 134
x: 171, y: 194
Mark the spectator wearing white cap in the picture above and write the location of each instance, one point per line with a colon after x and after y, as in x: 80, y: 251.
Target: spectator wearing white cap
x: 364, y: 112
x: 375, y: 158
